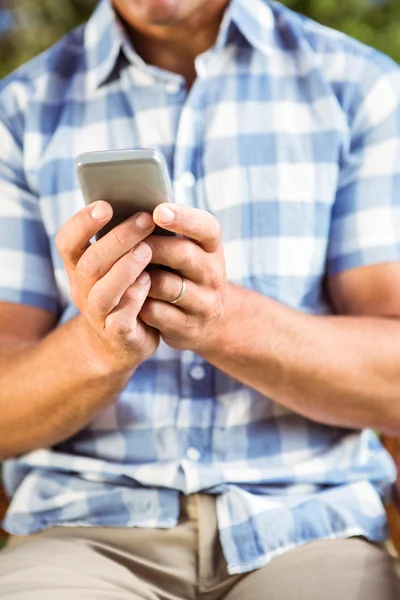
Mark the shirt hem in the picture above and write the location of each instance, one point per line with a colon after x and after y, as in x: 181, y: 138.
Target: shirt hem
x: 149, y: 524
x: 262, y: 561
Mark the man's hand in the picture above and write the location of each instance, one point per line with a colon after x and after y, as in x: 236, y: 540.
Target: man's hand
x: 199, y: 258
x: 108, y: 282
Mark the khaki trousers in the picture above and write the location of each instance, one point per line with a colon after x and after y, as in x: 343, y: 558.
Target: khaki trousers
x: 186, y: 563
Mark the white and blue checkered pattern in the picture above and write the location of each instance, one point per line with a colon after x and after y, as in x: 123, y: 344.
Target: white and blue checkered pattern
x: 291, y: 137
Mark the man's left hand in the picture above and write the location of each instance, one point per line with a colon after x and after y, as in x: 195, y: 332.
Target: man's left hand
x: 197, y: 257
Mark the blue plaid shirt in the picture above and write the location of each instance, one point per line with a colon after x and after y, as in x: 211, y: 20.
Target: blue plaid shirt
x: 291, y: 137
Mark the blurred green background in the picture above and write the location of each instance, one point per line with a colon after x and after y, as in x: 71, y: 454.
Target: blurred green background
x: 29, y: 26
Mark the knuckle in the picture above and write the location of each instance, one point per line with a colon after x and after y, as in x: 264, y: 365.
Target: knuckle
x: 133, y: 294
x: 125, y: 327
x: 207, y: 305
x: 124, y: 270
x: 150, y: 311
x: 89, y: 265
x: 216, y: 280
x: 162, y: 283
x: 189, y: 252
x: 119, y: 237
x: 96, y: 301
x: 190, y: 328
x: 121, y: 325
x: 215, y: 231
x: 62, y: 243
x: 134, y: 297
x: 80, y: 221
x: 73, y: 228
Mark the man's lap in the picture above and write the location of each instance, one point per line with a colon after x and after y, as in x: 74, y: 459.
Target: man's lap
x: 351, y: 569
x: 186, y: 562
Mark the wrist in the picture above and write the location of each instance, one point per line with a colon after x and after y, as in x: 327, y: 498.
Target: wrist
x: 218, y: 337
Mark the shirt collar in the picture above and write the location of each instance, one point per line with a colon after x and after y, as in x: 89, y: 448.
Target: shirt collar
x: 103, y: 41
x: 104, y: 38
x: 255, y: 20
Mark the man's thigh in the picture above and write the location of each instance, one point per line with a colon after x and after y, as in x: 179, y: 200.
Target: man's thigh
x: 65, y: 569
x: 351, y: 569
x: 76, y: 563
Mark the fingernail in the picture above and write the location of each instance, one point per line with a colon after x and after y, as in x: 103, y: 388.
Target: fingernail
x: 143, y: 278
x: 100, y: 211
x: 141, y: 251
x: 165, y: 214
x: 143, y: 221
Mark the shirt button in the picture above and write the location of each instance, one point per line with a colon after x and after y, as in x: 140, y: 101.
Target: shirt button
x: 187, y: 180
x: 197, y: 372
x: 142, y: 78
x: 193, y: 454
x: 172, y: 87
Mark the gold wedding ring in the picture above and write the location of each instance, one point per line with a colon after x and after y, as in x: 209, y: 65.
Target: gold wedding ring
x: 181, y: 293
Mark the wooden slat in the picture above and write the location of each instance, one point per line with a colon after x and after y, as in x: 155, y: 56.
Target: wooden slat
x: 3, y: 508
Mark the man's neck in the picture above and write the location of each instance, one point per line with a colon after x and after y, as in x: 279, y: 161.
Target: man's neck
x: 175, y: 47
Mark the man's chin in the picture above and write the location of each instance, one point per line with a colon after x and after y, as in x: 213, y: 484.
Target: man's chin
x: 159, y: 12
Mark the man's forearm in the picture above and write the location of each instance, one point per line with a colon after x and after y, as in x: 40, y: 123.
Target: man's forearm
x: 342, y: 371
x: 51, y: 389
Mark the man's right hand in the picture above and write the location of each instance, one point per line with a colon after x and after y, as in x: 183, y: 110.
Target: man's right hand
x: 108, y: 283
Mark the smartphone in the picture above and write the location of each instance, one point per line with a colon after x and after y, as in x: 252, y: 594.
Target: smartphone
x: 131, y: 181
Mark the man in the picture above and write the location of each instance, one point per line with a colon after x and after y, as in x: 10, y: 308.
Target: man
x: 202, y: 432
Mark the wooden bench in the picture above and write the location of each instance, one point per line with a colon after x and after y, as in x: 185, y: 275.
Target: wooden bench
x: 392, y: 445
x: 3, y: 508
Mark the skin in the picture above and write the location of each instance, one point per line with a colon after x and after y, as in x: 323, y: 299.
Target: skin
x: 342, y: 370
x: 171, y: 33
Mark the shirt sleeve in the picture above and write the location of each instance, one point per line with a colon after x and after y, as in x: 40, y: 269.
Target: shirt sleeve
x: 365, y: 226
x: 26, y: 270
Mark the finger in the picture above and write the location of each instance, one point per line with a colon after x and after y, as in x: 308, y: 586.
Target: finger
x: 167, y: 318
x: 103, y: 254
x: 106, y: 293
x: 74, y: 236
x: 167, y: 287
x: 181, y: 255
x: 123, y: 321
x: 196, y: 224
